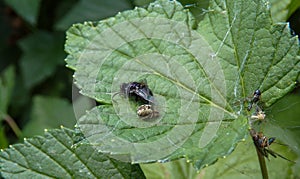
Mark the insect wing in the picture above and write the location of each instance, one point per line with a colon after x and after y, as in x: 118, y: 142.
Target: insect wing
x: 275, y: 154
x: 249, y: 107
x: 271, y: 152
x: 145, y: 93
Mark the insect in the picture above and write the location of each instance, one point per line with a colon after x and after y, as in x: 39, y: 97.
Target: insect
x: 139, y: 90
x: 146, y: 111
x: 255, y: 99
x: 259, y: 115
x: 262, y: 144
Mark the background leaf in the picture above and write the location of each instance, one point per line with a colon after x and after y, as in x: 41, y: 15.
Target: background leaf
x: 199, y: 77
x: 49, y: 112
x: 283, y: 121
x: 92, y: 10
x: 243, y: 163
x: 7, y: 82
x: 28, y: 10
x: 42, y: 53
x: 175, y: 169
x: 282, y: 10
x: 293, y: 6
x: 51, y: 156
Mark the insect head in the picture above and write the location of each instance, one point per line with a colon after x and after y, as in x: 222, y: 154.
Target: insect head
x: 255, y: 99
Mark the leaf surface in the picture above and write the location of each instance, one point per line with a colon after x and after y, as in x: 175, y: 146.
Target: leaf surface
x: 243, y: 163
x: 52, y: 156
x: 282, y: 10
x: 199, y: 77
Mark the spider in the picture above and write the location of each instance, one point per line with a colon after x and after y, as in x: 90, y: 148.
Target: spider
x: 146, y: 111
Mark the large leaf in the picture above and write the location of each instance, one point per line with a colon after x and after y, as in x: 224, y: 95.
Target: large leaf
x: 199, y: 77
x: 52, y: 156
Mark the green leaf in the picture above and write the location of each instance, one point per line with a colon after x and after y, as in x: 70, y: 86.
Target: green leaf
x: 265, y: 53
x: 42, y: 53
x: 283, y: 121
x: 293, y: 6
x: 48, y: 112
x: 52, y: 156
x: 175, y: 169
x: 91, y: 10
x: 28, y: 10
x: 197, y: 7
x: 81, y: 104
x: 3, y: 138
x: 142, y: 3
x: 281, y: 10
x: 7, y: 82
x: 199, y: 77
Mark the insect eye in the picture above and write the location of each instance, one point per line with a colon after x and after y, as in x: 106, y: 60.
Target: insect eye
x: 257, y: 92
x: 271, y: 140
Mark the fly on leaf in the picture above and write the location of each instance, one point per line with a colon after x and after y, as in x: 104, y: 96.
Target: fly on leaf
x: 139, y: 90
x: 262, y: 144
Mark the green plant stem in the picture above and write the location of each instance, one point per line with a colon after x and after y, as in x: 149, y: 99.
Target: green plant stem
x: 262, y: 164
x: 11, y: 122
x: 261, y: 157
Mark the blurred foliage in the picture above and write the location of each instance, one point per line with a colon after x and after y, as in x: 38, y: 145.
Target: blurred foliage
x: 282, y: 10
x: 28, y: 10
x: 36, y: 88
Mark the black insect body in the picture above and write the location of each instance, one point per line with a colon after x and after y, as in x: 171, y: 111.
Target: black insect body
x: 256, y: 96
x: 139, y: 90
x: 262, y: 141
x: 255, y: 99
x: 262, y: 144
x: 146, y: 111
